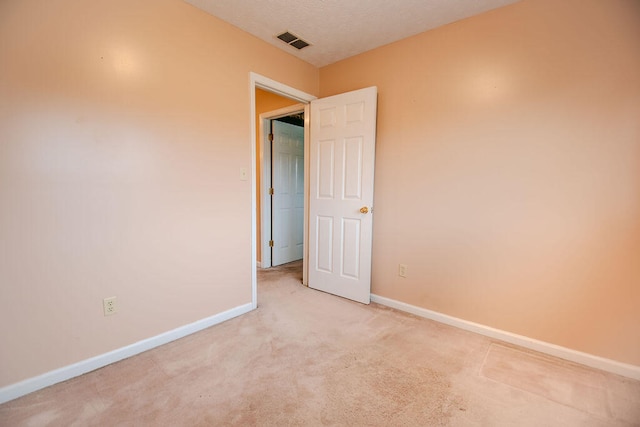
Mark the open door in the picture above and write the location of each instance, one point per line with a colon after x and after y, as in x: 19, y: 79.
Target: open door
x: 287, y: 189
x: 342, y: 155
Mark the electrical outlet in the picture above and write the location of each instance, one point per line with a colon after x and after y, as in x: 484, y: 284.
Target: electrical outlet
x: 109, y: 306
x: 402, y: 270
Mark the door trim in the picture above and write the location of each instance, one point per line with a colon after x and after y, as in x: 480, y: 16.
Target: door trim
x: 257, y: 81
x: 265, y: 166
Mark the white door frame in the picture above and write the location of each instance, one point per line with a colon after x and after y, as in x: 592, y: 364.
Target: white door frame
x: 265, y: 167
x: 256, y: 81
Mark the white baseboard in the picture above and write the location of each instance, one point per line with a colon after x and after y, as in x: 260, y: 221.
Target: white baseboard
x: 619, y: 368
x: 30, y: 385
x: 258, y: 264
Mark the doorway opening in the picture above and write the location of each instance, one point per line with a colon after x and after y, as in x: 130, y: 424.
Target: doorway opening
x: 258, y: 82
x: 281, y: 189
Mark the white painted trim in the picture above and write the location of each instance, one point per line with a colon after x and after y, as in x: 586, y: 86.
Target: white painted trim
x: 265, y: 205
x: 254, y: 217
x: 283, y: 112
x: 262, y: 82
x: 30, y: 385
x: 307, y: 192
x: 619, y: 368
x: 278, y: 88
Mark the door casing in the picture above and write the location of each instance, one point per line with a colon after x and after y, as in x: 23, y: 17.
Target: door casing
x: 257, y: 81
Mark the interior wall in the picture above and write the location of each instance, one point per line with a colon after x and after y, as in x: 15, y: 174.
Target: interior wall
x: 124, y: 126
x: 508, y: 170
x: 265, y: 102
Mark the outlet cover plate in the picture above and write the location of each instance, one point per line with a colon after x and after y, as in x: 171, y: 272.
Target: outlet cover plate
x: 402, y: 270
x: 109, y: 306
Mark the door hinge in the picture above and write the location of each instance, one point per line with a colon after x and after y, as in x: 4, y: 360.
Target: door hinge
x: 270, y: 243
x: 271, y: 191
x: 270, y: 137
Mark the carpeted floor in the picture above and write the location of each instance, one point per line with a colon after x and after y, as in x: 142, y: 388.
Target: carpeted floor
x: 308, y: 358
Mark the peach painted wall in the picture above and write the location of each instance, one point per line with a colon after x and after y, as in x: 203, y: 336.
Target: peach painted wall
x: 508, y: 170
x: 265, y: 102
x: 123, y: 128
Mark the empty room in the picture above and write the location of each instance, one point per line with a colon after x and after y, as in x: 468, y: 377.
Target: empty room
x: 233, y: 212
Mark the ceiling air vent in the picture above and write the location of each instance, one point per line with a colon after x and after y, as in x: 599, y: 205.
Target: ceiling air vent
x: 292, y: 40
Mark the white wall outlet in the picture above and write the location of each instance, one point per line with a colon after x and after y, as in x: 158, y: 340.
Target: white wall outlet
x: 402, y: 270
x: 244, y: 174
x: 109, y: 306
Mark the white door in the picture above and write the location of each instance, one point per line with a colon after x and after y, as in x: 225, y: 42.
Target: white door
x: 342, y: 154
x: 287, y: 202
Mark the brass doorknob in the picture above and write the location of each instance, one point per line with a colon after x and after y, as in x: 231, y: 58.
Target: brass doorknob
x: 364, y: 209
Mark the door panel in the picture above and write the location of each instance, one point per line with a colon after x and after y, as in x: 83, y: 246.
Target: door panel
x: 352, y: 173
x: 324, y: 246
x: 325, y: 169
x: 288, y: 193
x: 342, y: 149
x: 350, y: 248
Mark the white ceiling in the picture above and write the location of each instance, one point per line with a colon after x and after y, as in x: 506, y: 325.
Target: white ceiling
x: 338, y: 29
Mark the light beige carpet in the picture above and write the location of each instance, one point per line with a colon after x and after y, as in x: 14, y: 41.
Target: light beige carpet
x: 308, y: 358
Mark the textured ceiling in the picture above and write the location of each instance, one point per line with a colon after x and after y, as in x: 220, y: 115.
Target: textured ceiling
x: 338, y: 29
